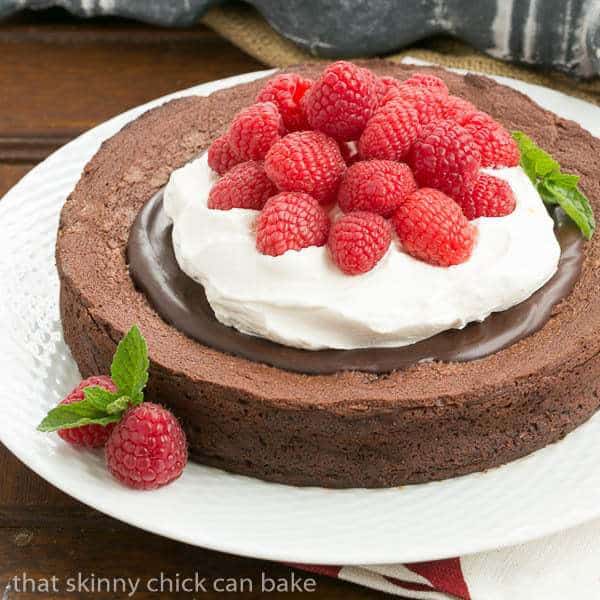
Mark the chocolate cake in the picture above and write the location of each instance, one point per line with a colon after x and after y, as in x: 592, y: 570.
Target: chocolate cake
x: 358, y: 423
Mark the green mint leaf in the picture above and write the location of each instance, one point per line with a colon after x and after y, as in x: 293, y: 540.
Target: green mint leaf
x: 566, y: 180
x: 129, y: 372
x: 98, y: 397
x: 575, y: 205
x: 555, y: 187
x: 535, y: 161
x: 118, y: 405
x: 67, y: 416
x: 129, y: 369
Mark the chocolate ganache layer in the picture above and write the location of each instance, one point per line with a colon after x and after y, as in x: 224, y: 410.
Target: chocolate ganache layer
x: 182, y: 302
x: 428, y: 421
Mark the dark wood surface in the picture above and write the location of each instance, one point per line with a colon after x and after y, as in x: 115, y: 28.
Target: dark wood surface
x: 59, y: 77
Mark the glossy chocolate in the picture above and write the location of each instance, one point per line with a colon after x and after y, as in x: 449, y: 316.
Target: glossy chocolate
x: 182, y: 302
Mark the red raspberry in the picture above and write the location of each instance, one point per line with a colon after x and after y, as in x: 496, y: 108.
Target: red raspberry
x: 254, y: 130
x: 428, y: 104
x: 220, y: 155
x: 148, y: 448
x: 457, y: 108
x: 490, y: 197
x: 431, y: 82
x: 390, y: 133
x: 341, y: 101
x: 497, y: 147
x: 306, y: 161
x: 358, y: 241
x: 432, y: 228
x: 384, y: 84
x: 244, y: 186
x: 445, y: 157
x: 291, y: 221
x: 88, y: 436
x: 377, y: 186
x: 286, y: 92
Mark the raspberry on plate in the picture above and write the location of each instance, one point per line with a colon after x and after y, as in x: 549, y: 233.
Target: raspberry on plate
x: 291, y: 221
x: 88, y: 436
x: 147, y: 448
x: 341, y: 101
x: 496, y: 145
x: 456, y: 108
x: 244, y: 186
x: 377, y: 186
x: 431, y: 82
x: 306, y: 161
x: 358, y: 241
x: 390, y: 133
x: 432, y: 228
x: 221, y: 157
x: 254, y: 130
x: 286, y: 92
x: 490, y: 197
x: 428, y: 103
x: 445, y: 157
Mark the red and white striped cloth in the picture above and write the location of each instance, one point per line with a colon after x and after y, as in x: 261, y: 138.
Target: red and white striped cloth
x: 564, y: 566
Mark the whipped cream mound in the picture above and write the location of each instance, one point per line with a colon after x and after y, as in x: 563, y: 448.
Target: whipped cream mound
x: 302, y: 299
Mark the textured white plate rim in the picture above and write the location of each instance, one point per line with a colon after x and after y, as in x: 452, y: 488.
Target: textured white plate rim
x: 348, y: 541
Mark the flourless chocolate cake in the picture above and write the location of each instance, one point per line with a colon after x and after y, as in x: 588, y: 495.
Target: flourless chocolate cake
x: 461, y: 401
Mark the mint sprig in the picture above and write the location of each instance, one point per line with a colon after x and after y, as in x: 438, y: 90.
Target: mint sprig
x: 554, y: 186
x: 129, y: 372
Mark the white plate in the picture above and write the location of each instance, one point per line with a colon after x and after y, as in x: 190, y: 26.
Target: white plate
x: 555, y: 488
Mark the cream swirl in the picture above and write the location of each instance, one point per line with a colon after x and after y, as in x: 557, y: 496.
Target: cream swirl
x: 301, y: 299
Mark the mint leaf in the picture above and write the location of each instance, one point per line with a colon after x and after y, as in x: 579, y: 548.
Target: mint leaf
x: 98, y: 397
x: 555, y: 187
x: 564, y: 179
x: 574, y: 203
x: 129, y: 372
x: 129, y: 369
x: 118, y: 405
x: 535, y: 161
x: 67, y: 416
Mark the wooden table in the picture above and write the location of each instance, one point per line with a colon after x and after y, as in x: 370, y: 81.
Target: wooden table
x: 59, y: 77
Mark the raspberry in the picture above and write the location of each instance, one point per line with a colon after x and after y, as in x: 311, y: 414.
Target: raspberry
x: 390, y: 133
x: 306, y: 161
x: 432, y: 228
x: 286, y: 92
x: 497, y: 147
x: 88, y: 436
x: 490, y: 197
x: 244, y: 186
x: 428, y: 104
x: 431, y: 82
x: 341, y: 101
x: 456, y: 108
x: 220, y: 155
x: 291, y: 221
x: 384, y: 84
x: 445, y: 157
x: 358, y: 241
x: 254, y: 130
x: 377, y: 186
x: 147, y: 449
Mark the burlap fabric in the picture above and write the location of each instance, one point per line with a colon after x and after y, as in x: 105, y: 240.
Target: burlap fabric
x: 243, y: 26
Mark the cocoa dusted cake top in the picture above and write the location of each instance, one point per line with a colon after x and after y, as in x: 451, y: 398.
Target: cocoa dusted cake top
x: 356, y: 212
x: 213, y: 115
